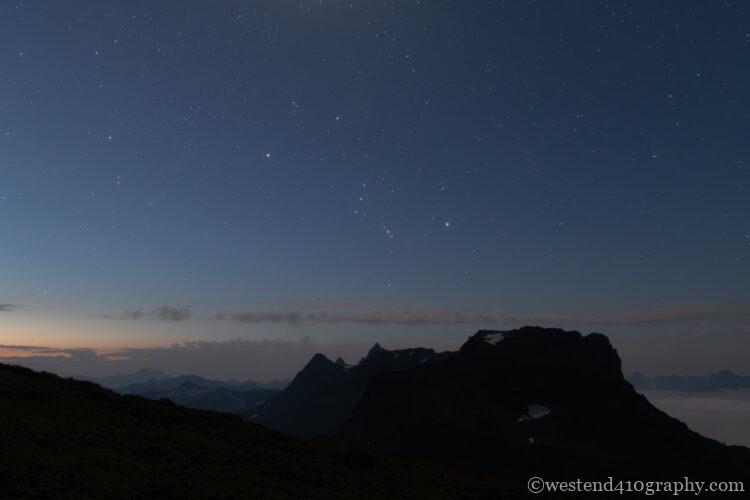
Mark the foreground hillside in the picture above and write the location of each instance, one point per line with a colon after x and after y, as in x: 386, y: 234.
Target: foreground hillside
x: 62, y: 438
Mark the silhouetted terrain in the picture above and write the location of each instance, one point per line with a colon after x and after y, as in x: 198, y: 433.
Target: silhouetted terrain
x: 723, y: 380
x: 507, y: 406
x: 324, y: 393
x: 534, y: 401
x: 62, y: 438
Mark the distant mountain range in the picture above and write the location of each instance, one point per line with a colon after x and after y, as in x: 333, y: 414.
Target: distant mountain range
x: 148, y: 380
x: 723, y: 380
x: 171, y: 383
x: 192, y: 391
x: 193, y: 395
x: 115, y: 381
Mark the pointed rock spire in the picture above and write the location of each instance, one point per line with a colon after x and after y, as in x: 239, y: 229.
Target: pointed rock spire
x: 376, y: 349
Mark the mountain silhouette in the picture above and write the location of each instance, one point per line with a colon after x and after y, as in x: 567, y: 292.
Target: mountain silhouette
x: 533, y: 401
x: 476, y: 423
x: 324, y: 393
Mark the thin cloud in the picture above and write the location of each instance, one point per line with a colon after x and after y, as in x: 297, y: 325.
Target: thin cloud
x: 373, y: 317
x: 440, y: 316
x: 29, y: 348
x: 7, y: 307
x: 159, y: 313
x: 665, y: 314
x: 28, y: 355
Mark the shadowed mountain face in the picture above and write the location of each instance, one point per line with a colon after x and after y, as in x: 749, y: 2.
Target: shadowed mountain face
x: 322, y: 396
x: 533, y: 401
x: 62, y: 438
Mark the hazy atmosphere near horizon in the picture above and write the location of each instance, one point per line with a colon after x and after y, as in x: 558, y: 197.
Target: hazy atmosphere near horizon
x: 226, y: 188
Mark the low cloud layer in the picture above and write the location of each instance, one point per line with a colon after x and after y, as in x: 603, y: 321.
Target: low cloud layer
x: 159, y: 313
x: 373, y: 317
x: 440, y: 316
x: 430, y: 315
x: 664, y: 314
x: 718, y: 415
x: 7, y: 307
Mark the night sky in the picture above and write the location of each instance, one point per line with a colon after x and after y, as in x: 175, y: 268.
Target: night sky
x: 355, y: 171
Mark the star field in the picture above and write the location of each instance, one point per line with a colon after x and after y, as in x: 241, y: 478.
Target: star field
x: 528, y: 156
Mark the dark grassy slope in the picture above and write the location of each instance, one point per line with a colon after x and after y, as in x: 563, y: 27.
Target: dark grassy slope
x: 63, y: 438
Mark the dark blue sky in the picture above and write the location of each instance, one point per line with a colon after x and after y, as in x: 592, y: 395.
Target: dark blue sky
x: 539, y: 159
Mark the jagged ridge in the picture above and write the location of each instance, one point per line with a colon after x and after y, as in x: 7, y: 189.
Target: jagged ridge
x: 323, y: 394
